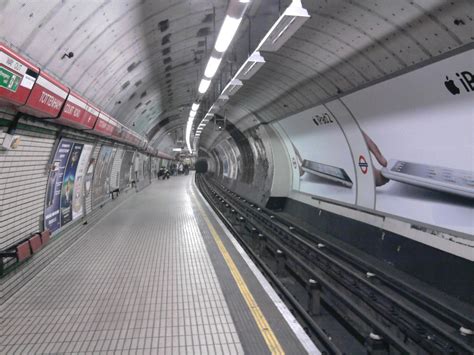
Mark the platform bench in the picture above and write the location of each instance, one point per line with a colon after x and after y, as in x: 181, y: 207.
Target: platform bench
x: 23, y: 249
x: 114, y: 193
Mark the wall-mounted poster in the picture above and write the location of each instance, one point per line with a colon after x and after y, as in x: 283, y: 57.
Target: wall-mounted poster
x: 79, y: 192
x: 403, y: 147
x: 100, y: 183
x: 89, y: 177
x: 422, y: 124
x: 146, y: 168
x: 52, y: 218
x: 126, y: 173
x: 224, y: 160
x: 230, y: 153
x: 138, y: 166
x: 322, y: 155
x: 69, y: 177
x: 115, y: 170
x: 64, y: 194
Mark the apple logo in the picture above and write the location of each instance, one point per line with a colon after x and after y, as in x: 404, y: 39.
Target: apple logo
x: 453, y: 89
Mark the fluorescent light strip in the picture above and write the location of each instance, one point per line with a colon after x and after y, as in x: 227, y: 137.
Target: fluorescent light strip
x: 194, y: 107
x: 285, y: 27
x: 227, y: 33
x: 250, y: 67
x: 212, y: 66
x: 232, y: 87
x: 204, y: 85
x: 222, y: 99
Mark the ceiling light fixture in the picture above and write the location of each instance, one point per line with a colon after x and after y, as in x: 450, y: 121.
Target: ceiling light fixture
x: 235, y: 13
x: 204, y: 85
x: 250, y: 67
x: 221, y: 100
x: 212, y: 67
x: 227, y: 33
x: 195, y: 107
x: 287, y: 24
x: 232, y: 87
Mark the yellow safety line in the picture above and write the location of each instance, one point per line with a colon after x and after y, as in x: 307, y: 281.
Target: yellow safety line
x: 267, y: 332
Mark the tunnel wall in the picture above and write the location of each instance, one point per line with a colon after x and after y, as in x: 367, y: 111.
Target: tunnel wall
x: 243, y: 161
x: 362, y: 138
x: 416, y: 117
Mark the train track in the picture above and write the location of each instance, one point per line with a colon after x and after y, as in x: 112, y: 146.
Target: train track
x: 346, y: 304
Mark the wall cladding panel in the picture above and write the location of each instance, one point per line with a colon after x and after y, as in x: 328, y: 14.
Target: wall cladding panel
x: 254, y: 152
x: 23, y: 176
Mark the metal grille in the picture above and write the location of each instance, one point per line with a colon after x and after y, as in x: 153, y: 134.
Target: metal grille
x: 23, y: 176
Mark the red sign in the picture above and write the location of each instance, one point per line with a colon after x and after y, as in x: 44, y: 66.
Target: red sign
x: 73, y: 111
x: 126, y: 136
x: 17, y: 77
x: 117, y: 133
x: 90, y: 116
x: 47, y: 97
x: 364, y: 167
x: 104, y: 125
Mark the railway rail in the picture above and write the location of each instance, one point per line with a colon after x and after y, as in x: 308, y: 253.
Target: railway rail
x: 345, y: 303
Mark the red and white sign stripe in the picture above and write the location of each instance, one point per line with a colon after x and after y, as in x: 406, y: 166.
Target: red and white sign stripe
x: 47, y: 97
x: 73, y: 111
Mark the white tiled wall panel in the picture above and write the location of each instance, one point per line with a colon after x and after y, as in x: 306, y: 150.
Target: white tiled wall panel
x: 23, y: 175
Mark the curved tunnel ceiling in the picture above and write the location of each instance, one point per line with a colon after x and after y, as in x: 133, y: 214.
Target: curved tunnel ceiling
x: 142, y: 60
x: 345, y: 45
x: 136, y: 59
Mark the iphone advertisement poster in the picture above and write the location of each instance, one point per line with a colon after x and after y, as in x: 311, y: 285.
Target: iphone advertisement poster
x: 403, y: 147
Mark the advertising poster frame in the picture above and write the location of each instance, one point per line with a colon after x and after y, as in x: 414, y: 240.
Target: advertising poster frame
x: 52, y: 205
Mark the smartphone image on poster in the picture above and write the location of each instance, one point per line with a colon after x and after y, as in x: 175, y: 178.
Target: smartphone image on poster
x: 52, y: 182
x: 453, y: 181
x: 328, y: 172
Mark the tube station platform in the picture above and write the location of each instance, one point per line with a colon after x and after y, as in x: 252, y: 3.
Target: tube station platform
x: 160, y: 274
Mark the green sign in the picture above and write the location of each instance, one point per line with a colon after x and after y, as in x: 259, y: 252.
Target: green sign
x: 8, y: 80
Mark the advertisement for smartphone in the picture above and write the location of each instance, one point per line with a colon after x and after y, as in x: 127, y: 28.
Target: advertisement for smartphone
x: 403, y: 147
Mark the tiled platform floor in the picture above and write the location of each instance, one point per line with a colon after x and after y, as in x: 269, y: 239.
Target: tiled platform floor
x: 141, y: 281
